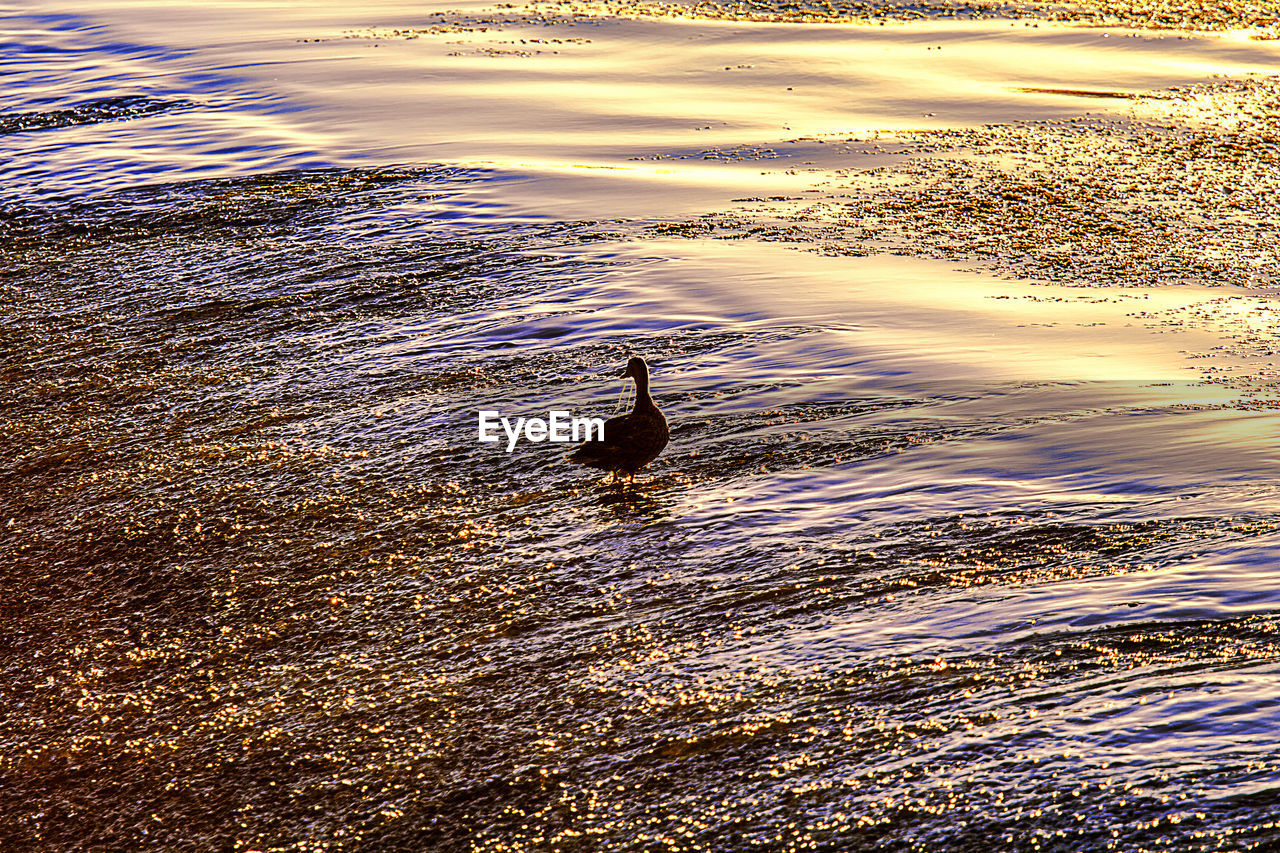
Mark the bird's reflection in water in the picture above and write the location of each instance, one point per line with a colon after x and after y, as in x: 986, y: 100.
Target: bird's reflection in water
x: 649, y: 501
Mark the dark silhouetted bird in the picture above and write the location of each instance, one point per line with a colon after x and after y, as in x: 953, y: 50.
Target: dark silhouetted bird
x: 633, y: 440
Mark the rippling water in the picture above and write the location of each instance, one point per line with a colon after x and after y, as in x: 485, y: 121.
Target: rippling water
x: 966, y: 538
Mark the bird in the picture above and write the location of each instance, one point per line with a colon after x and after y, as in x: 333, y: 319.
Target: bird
x: 630, y: 441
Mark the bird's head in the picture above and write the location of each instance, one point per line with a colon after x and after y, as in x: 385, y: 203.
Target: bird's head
x: 636, y: 368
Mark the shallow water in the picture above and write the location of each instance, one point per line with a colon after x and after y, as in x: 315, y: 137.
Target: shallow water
x: 964, y: 540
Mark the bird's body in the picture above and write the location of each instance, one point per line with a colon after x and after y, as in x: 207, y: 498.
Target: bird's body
x: 630, y: 441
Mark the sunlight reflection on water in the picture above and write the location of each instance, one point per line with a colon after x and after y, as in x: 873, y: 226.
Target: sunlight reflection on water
x: 935, y: 556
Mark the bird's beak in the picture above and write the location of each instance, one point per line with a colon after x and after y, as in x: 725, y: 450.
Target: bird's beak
x: 624, y: 373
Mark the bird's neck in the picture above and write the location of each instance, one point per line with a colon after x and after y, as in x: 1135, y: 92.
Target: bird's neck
x: 643, y: 400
